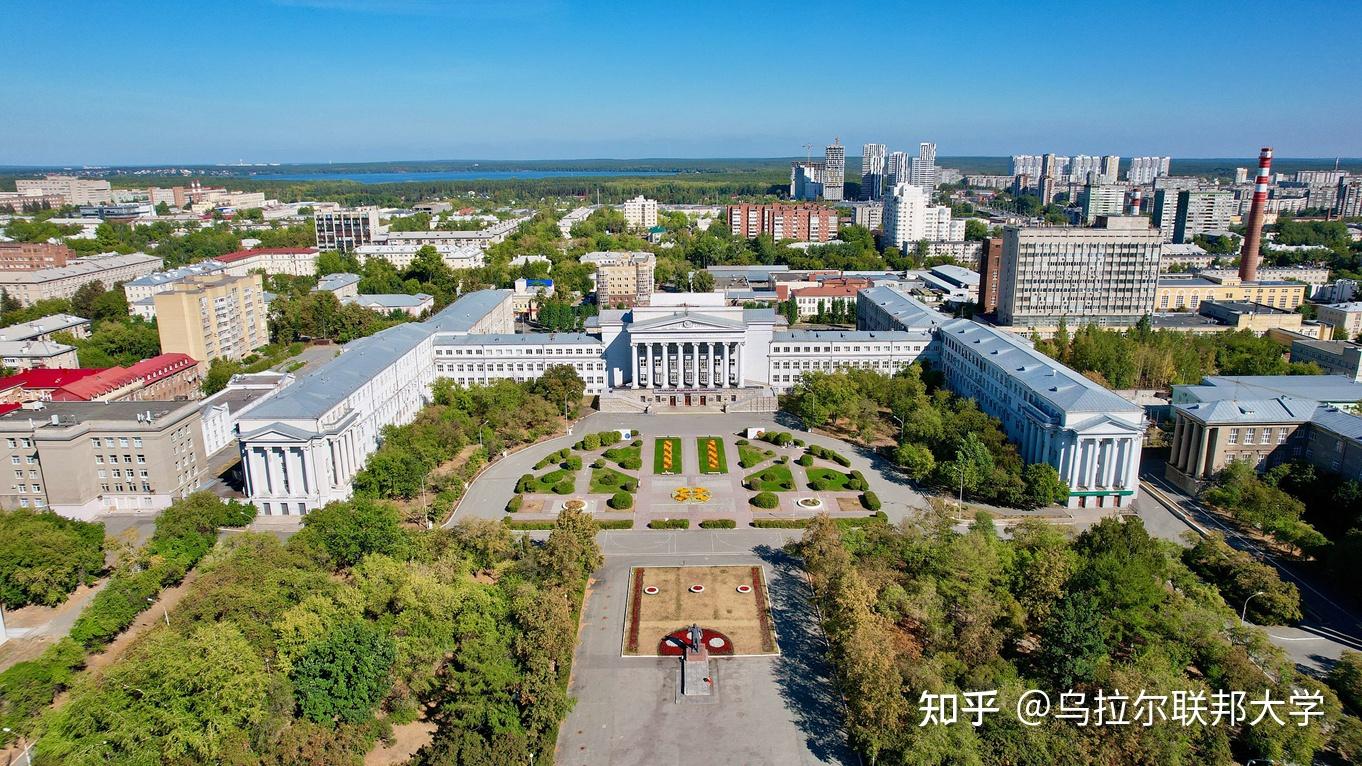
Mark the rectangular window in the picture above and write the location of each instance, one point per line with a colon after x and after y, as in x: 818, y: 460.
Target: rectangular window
x: 95, y: 442
x: 1248, y: 435
x: 1234, y: 436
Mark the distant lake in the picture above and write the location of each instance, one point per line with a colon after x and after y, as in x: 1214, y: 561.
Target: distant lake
x: 450, y: 175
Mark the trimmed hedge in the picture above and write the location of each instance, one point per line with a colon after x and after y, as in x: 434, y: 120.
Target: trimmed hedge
x: 827, y: 454
x: 669, y: 524
x: 805, y: 460
x: 563, y: 487
x: 855, y: 521
x: 533, y: 525
x: 870, y: 501
x: 718, y: 524
x: 765, y: 500
x: 621, y: 501
x: 514, y: 504
x: 573, y: 463
x: 778, y: 438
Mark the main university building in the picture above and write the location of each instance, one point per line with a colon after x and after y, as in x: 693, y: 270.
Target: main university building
x: 685, y: 351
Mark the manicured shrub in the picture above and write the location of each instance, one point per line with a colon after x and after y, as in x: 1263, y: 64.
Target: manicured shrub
x: 669, y: 524
x: 818, y: 485
x: 621, y: 501
x: 598, y: 463
x: 573, y: 463
x: 787, y: 485
x: 799, y: 442
x: 607, y: 438
x: 631, y: 463
x: 526, y: 481
x: 591, y: 441
x: 740, y: 443
x: 765, y: 500
x: 629, y: 485
x: 514, y: 504
x: 718, y: 524
x: 871, y: 501
x: 806, y: 460
x: 563, y: 487
x: 784, y: 460
x: 636, y: 443
x: 608, y: 479
x: 840, y: 459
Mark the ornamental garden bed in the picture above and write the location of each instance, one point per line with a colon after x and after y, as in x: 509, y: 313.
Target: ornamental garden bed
x: 608, y: 481
x: 629, y: 458
x: 559, y: 481
x: 711, y: 452
x: 667, y: 455
x: 828, y: 480
x: 750, y: 456
x: 776, y: 478
x: 743, y: 618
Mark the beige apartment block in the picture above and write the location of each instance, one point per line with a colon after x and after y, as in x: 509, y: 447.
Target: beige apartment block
x: 82, y: 459
x: 213, y: 317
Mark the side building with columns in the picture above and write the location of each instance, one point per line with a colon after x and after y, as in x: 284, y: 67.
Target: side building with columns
x: 1090, y: 435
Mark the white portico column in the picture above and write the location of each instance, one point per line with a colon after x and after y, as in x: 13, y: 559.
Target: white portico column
x: 727, y: 364
x: 690, y: 359
x: 633, y: 365
x: 648, y: 378
x: 741, y: 363
x: 666, y: 365
x: 709, y: 364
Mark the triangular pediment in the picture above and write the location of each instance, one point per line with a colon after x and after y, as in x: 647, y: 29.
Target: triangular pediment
x: 686, y: 321
x: 281, y: 432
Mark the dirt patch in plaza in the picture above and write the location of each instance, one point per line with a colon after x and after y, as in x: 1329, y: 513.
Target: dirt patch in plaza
x: 850, y: 504
x: 744, y: 617
x: 531, y: 505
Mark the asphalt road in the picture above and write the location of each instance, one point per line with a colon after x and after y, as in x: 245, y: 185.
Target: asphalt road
x: 1330, y: 627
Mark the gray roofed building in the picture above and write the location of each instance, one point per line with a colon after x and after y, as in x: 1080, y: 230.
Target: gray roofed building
x: 465, y: 314
x: 42, y: 328
x: 885, y: 308
x: 1328, y: 389
x: 317, y: 393
x: 849, y: 335
x: 518, y: 339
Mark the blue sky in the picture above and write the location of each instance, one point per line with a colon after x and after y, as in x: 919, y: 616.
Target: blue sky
x: 355, y: 80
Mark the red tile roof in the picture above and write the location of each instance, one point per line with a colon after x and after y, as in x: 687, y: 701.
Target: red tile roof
x: 5, y: 409
x: 242, y: 255
x: 146, y: 371
x: 44, y: 378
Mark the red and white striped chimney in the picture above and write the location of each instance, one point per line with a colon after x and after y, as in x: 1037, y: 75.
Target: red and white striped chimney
x: 1248, y: 256
x: 1136, y: 196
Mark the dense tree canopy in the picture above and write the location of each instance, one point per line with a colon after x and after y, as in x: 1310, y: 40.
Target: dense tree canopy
x: 43, y: 556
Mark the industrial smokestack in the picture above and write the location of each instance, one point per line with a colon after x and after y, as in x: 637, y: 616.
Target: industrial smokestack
x: 1135, y: 197
x: 1248, y: 256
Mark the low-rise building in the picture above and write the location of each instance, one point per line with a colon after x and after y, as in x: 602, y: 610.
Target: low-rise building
x: 293, y: 261
x: 31, y: 256
x: 1185, y: 256
x: 827, y: 296
x: 572, y: 218
x: 528, y: 293
x: 885, y: 308
x: 965, y: 252
x: 482, y: 359
x: 385, y: 303
x: 74, y: 189
x: 164, y: 377
x: 341, y: 285
x: 44, y: 327
x: 143, y: 288
x: 1347, y: 316
x: 346, y: 229
x: 20, y: 355
x: 86, y: 459
x: 401, y: 254
x: 221, y: 413
x: 1335, y: 357
x: 1244, y: 315
x: 1176, y: 292
x: 29, y: 287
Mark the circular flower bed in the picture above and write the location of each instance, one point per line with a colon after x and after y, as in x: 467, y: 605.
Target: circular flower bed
x: 651, y: 590
x: 715, y: 642
x: 744, y: 588
x: 809, y: 503
x: 574, y: 505
x: 697, y: 589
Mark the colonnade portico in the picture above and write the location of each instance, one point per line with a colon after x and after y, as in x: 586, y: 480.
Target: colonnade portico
x: 686, y: 364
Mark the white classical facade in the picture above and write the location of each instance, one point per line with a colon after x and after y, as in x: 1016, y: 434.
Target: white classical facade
x: 1091, y: 436
x: 302, y: 448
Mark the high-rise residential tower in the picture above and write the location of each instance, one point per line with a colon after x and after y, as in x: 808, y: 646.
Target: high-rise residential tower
x: 896, y: 170
x: 1143, y: 170
x: 872, y: 171
x: 924, y: 172
x: 834, y: 171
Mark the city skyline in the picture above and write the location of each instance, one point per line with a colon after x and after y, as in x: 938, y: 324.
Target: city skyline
x: 255, y: 81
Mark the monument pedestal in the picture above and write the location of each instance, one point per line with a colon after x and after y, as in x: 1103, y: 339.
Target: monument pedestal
x: 696, y: 680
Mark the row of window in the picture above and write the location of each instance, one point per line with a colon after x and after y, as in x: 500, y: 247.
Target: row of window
x: 109, y: 441
x: 1263, y: 435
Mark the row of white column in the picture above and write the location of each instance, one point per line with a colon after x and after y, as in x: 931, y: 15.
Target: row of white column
x: 278, y: 472
x: 1099, y: 462
x: 687, y: 364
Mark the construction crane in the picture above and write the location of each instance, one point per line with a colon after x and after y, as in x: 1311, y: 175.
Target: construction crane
x: 808, y: 153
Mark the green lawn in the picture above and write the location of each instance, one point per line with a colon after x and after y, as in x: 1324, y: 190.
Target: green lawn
x: 749, y: 456
x: 776, y: 478
x: 834, y: 481
x: 676, y: 466
x: 628, y: 457
x: 721, y: 464
x: 608, y: 481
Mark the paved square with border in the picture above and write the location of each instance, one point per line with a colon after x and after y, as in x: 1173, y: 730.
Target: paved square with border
x: 733, y: 601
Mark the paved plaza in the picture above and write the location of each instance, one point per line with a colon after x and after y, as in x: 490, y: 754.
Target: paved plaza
x: 766, y: 710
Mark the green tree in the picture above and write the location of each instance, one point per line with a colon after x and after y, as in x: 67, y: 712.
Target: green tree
x: 1043, y: 485
x: 43, y: 557
x: 349, y: 531
x: 562, y: 386
x: 345, y: 674
x: 701, y: 281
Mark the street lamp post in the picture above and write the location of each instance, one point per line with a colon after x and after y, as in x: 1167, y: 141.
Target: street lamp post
x: 480, y: 444
x: 164, y: 612
x: 1244, y: 613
